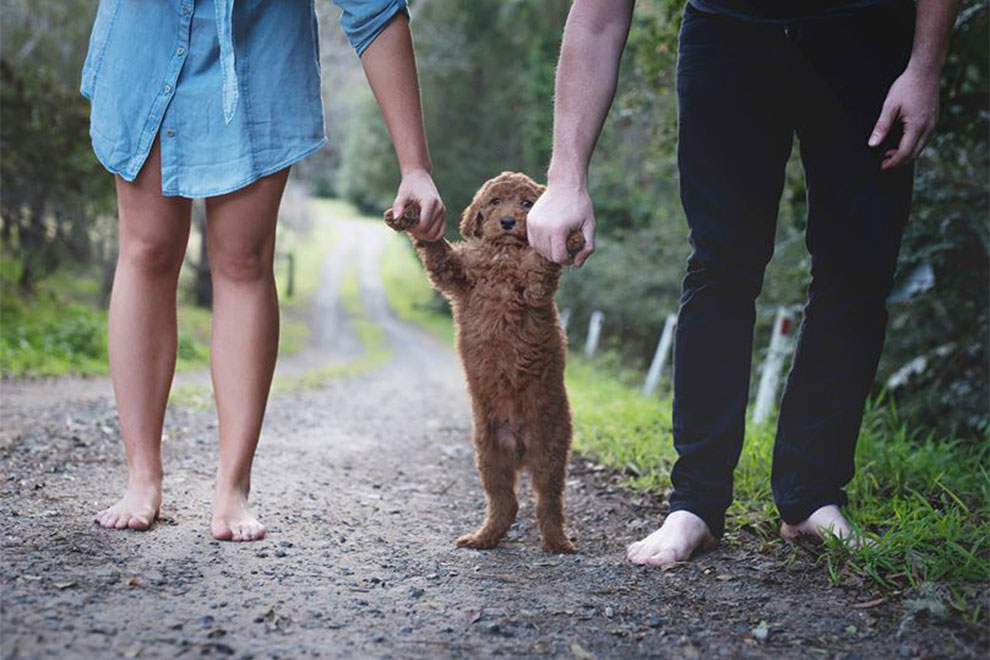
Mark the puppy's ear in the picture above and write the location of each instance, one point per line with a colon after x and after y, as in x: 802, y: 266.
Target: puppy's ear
x: 472, y: 218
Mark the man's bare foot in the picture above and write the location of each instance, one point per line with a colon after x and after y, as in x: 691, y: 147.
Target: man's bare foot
x: 233, y: 520
x: 137, y: 509
x: 681, y: 535
x: 827, y: 521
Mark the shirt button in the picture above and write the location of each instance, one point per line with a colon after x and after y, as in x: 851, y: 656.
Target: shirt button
x: 180, y: 50
x: 170, y: 133
x: 168, y: 88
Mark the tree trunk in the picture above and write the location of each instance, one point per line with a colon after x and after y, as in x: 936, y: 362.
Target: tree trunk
x: 203, y: 284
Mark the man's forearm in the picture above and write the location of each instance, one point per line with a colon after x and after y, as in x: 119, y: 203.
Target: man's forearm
x: 587, y: 74
x: 390, y: 65
x: 931, y: 34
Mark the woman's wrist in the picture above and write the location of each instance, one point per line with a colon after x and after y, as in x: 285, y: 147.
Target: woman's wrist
x: 416, y: 167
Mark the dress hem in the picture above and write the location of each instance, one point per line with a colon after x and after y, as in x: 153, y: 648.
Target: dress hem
x: 178, y: 192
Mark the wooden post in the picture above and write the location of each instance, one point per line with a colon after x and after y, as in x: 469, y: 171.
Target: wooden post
x: 594, y: 333
x: 565, y: 318
x: 655, y: 373
x: 291, y: 284
x: 781, y: 344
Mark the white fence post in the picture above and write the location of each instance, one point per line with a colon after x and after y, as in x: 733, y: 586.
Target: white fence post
x: 594, y: 333
x: 781, y: 343
x: 655, y: 373
x: 565, y: 318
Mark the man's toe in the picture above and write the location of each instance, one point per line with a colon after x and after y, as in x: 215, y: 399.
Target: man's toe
x: 662, y: 557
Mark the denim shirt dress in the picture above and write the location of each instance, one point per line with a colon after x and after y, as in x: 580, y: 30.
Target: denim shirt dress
x: 232, y: 87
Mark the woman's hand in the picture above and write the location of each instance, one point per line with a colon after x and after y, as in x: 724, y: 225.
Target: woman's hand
x: 417, y: 186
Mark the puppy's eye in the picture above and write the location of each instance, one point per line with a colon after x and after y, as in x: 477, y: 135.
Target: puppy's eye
x: 495, y: 201
x: 527, y: 204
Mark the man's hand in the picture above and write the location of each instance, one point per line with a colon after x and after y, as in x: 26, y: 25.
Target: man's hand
x: 913, y: 101
x: 558, y: 212
x: 417, y: 186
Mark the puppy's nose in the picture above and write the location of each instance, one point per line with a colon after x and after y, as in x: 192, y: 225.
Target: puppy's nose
x: 508, y: 222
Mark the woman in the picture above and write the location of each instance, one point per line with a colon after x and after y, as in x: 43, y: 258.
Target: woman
x: 216, y: 99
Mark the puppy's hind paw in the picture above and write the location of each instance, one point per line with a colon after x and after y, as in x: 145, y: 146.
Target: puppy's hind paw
x: 477, y: 541
x: 408, y: 219
x: 559, y: 547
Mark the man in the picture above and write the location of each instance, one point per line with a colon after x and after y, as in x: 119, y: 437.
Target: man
x: 857, y: 82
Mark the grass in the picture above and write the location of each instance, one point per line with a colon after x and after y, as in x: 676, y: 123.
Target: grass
x: 61, y: 328
x: 409, y: 292
x: 925, y: 500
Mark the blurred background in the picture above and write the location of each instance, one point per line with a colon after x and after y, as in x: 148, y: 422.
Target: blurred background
x: 486, y: 71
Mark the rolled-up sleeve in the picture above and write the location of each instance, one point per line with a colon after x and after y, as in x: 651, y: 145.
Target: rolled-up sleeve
x: 364, y: 20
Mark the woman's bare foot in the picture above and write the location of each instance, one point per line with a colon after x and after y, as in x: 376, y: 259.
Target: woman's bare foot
x: 232, y: 518
x: 681, y: 535
x: 827, y: 521
x: 137, y: 509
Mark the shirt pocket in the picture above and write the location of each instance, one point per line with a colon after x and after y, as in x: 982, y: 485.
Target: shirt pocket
x: 106, y: 15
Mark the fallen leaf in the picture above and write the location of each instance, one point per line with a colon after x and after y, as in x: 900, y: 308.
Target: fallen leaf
x: 580, y: 653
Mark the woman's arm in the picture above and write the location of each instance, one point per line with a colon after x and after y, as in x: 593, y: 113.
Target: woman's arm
x: 390, y: 65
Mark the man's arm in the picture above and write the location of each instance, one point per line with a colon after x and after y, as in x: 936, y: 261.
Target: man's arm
x: 587, y: 72
x: 913, y: 98
x: 390, y: 66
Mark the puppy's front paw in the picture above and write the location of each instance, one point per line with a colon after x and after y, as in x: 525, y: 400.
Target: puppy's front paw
x: 575, y: 243
x: 409, y: 218
x: 558, y: 546
x: 477, y: 541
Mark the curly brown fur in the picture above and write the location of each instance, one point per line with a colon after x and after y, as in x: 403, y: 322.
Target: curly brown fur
x: 513, y: 350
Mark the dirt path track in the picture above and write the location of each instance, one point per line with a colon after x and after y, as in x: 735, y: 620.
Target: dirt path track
x: 364, y: 484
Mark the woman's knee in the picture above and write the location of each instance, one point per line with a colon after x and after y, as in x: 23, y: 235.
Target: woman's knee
x: 250, y: 263
x: 152, y: 256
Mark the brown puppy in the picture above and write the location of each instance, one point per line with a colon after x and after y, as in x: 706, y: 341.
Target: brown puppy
x: 513, y: 349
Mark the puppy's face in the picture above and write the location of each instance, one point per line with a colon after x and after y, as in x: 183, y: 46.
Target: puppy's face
x: 498, y: 212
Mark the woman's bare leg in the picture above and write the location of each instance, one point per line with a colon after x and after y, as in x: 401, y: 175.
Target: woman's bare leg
x: 241, y: 244
x: 153, y: 232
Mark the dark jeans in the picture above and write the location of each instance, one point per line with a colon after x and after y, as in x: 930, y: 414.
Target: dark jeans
x: 744, y: 90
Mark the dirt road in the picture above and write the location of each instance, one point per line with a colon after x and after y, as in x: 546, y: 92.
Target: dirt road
x: 364, y: 484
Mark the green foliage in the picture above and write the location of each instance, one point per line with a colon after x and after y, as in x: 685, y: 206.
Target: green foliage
x: 945, y: 329
x: 370, y: 176
x: 61, y: 327
x: 54, y: 190
x: 409, y: 292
